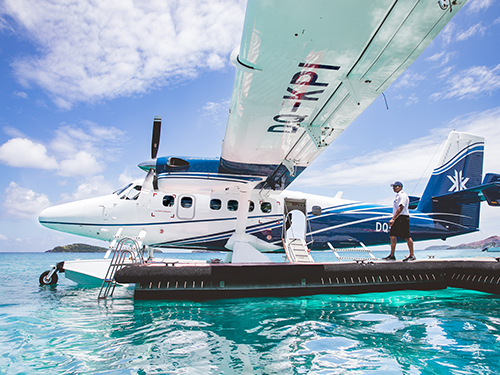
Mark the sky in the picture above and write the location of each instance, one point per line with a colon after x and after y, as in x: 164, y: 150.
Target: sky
x: 81, y: 81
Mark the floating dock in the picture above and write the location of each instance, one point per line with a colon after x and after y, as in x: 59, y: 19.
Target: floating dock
x: 197, y: 282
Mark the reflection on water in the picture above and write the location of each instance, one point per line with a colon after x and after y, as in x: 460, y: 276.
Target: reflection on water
x: 65, y: 330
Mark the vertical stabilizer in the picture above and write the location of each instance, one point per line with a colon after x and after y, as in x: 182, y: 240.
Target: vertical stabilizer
x: 460, y: 167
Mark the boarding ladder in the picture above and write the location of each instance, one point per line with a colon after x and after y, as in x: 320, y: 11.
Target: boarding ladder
x: 125, y: 251
x: 363, y: 249
x: 297, y: 251
x: 294, y: 231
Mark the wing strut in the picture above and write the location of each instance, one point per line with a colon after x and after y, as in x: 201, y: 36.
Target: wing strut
x: 240, y: 242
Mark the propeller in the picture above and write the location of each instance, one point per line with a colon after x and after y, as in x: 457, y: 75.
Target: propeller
x: 155, y: 142
x: 152, y: 178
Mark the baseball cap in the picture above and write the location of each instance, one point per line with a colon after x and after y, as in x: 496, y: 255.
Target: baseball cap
x: 397, y: 183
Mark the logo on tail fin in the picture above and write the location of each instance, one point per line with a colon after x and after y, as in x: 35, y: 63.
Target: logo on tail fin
x: 458, y: 182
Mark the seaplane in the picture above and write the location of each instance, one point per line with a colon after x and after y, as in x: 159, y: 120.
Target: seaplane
x: 304, y: 72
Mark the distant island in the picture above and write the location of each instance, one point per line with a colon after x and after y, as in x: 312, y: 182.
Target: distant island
x: 493, y: 241
x: 437, y: 247
x: 82, y: 248
x: 78, y: 248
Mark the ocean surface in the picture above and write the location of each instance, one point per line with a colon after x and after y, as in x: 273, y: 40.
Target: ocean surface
x: 64, y: 329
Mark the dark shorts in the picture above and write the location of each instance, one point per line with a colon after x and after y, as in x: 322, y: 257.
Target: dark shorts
x: 401, y: 227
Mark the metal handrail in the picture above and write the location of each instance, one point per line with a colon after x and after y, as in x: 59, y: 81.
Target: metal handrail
x: 364, y: 249
x: 118, y: 261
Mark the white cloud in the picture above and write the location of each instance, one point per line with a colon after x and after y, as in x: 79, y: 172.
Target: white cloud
x: 437, y: 56
x: 471, y: 31
x: 80, y: 164
x: 23, y: 203
x: 474, y: 6
x: 408, y: 79
x: 100, y: 50
x: 485, y: 124
x: 13, y: 132
x: 445, y: 72
x: 21, y: 152
x: 126, y: 177
x: 216, y: 113
x: 93, y: 187
x: 3, y: 238
x: 104, y: 134
x: 441, y: 58
x: 471, y: 83
x: 20, y: 94
x: 74, y: 151
x: 92, y: 139
x: 412, y: 99
x: 379, y: 167
x: 448, y: 32
x: 3, y: 23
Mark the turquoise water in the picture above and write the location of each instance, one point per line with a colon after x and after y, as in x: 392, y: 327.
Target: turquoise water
x: 65, y: 330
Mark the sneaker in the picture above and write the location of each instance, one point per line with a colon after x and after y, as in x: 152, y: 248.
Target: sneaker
x: 390, y: 257
x: 409, y: 258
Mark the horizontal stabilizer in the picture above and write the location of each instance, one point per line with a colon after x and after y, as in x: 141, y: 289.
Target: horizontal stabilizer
x: 486, y: 192
x: 492, y: 195
x: 413, y: 202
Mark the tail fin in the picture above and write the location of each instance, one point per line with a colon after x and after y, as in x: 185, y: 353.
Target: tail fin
x: 460, y: 167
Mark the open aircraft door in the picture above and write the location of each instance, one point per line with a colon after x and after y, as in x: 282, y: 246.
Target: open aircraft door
x: 294, y: 231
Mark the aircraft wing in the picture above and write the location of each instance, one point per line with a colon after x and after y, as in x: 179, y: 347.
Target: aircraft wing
x: 307, y: 69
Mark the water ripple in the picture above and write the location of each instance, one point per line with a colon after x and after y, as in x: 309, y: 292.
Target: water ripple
x: 65, y: 330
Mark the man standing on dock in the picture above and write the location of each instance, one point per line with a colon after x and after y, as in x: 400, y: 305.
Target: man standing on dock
x: 400, y: 222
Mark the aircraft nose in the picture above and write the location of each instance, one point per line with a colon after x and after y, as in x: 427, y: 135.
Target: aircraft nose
x: 68, y: 213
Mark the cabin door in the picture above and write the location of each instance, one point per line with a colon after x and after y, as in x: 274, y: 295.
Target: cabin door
x: 186, y: 207
x: 294, y: 218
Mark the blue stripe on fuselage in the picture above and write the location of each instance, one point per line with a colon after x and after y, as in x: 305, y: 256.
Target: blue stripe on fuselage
x: 340, y: 225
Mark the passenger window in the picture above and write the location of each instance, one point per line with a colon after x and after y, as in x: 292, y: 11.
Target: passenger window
x: 251, y: 206
x: 266, y: 207
x: 186, y: 202
x: 168, y: 201
x: 215, y: 204
x: 232, y: 205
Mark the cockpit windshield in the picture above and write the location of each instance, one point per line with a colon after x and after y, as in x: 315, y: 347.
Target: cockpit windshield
x: 129, y: 192
x: 119, y: 191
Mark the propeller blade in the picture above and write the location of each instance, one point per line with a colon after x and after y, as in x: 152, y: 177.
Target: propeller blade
x: 147, y: 185
x: 155, y: 143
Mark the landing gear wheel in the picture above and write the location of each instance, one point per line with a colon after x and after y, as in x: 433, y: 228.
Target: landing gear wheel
x: 44, y: 281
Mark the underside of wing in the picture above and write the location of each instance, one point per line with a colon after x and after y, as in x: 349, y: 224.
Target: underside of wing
x: 307, y: 69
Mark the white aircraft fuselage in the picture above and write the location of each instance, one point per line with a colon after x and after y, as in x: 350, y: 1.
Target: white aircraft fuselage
x: 197, y: 210
x: 179, y: 215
